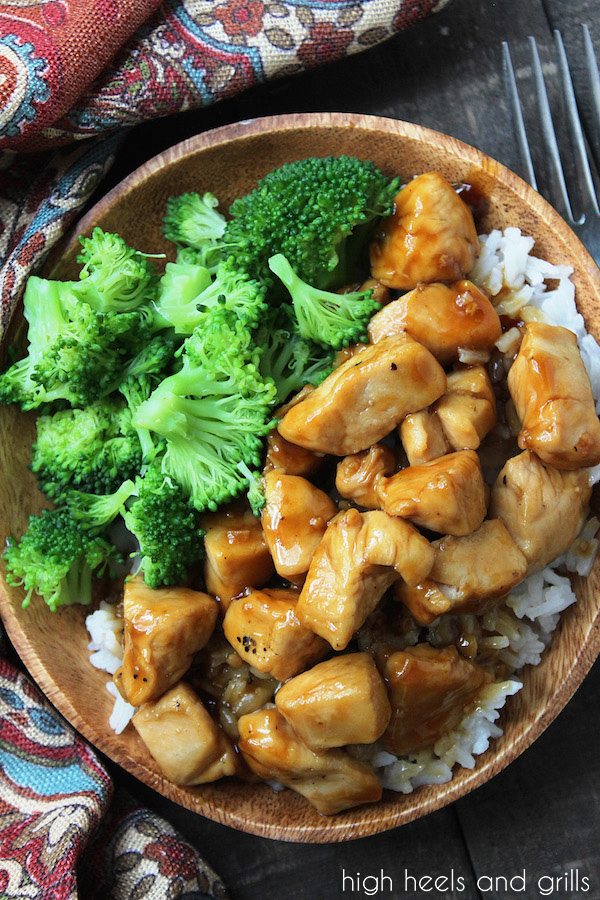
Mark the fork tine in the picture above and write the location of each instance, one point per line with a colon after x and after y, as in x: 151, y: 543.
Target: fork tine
x: 576, y: 128
x: 548, y: 128
x: 594, y: 76
x: 517, y: 112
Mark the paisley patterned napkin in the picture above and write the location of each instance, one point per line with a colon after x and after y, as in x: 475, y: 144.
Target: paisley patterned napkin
x: 60, y: 835
x: 73, y: 73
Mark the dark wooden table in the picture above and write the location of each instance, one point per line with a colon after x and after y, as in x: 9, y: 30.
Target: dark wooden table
x: 543, y: 813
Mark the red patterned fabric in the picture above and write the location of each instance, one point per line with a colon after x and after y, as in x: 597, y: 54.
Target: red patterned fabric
x: 59, y: 831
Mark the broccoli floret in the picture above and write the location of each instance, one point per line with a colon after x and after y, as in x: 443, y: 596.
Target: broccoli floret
x: 114, y: 277
x: 155, y: 358
x: 92, y: 449
x: 76, y: 354
x: 143, y: 374
x: 256, y: 489
x: 334, y: 320
x: 186, y: 293
x: 308, y: 210
x: 194, y: 222
x: 166, y: 529
x: 56, y: 559
x: 97, y: 511
x: 208, y: 259
x: 286, y: 358
x: 178, y: 292
x: 43, y: 312
x: 212, y: 413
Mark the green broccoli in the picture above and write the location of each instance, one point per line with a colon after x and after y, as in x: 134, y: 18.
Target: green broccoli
x: 56, y: 559
x: 154, y: 358
x: 97, y: 511
x: 76, y: 354
x: 286, y: 358
x: 213, y: 413
x: 187, y: 292
x: 92, y: 449
x: 166, y: 529
x: 143, y: 374
x: 194, y: 224
x: 333, y: 320
x: 318, y: 212
x: 114, y: 277
x: 256, y: 489
x: 43, y: 312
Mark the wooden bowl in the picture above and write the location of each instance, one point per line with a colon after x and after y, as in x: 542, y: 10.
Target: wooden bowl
x: 228, y: 162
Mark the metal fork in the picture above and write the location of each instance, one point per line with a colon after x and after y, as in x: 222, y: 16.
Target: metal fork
x: 587, y: 224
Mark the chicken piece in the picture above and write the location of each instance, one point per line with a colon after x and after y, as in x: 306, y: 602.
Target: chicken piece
x: 185, y: 741
x: 357, y: 476
x: 467, y: 411
x: 331, y: 779
x: 294, y: 520
x: 447, y: 495
x: 346, y: 353
x: 365, y: 398
x: 423, y: 438
x: 265, y: 631
x: 444, y: 319
x: 482, y: 566
x: 431, y: 236
x: 360, y: 556
x: 430, y: 691
x: 425, y: 602
x: 237, y: 555
x: 553, y: 398
x: 289, y: 458
x: 341, y: 701
x: 163, y: 630
x: 543, y: 508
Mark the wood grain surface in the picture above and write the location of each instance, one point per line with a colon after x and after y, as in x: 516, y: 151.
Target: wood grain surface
x: 229, y: 161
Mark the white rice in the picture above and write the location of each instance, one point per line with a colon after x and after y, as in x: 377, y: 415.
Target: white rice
x: 518, y: 631
x: 105, y: 629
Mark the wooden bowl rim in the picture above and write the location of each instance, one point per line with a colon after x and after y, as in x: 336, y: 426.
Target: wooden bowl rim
x: 365, y: 820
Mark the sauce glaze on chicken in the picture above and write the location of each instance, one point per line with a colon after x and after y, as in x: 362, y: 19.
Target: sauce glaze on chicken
x: 377, y: 510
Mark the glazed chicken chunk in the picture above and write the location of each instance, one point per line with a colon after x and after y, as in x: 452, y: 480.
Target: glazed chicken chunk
x: 360, y: 556
x: 423, y: 437
x: 553, y: 398
x: 289, y: 458
x: 184, y: 739
x: 431, y: 236
x: 430, y: 691
x: 425, y: 602
x: 479, y: 567
x: 294, y: 520
x: 340, y: 701
x: 467, y: 411
x: 445, y: 319
x: 543, y: 508
x: 237, y: 555
x: 457, y: 421
x: 447, y: 495
x: 357, y: 476
x: 163, y: 630
x: 365, y: 398
x: 329, y: 779
x: 264, y: 629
